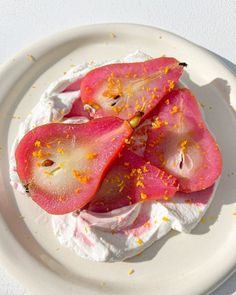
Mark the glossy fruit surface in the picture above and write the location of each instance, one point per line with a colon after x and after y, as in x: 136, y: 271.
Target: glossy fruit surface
x: 180, y: 143
x: 130, y: 180
x: 123, y: 89
x: 62, y: 165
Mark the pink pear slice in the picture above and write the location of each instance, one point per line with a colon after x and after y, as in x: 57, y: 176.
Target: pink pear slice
x: 123, y: 89
x: 130, y: 180
x: 63, y: 165
x: 78, y: 110
x: 180, y: 143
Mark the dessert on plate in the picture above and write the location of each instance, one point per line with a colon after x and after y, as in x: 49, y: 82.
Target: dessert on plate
x: 118, y: 154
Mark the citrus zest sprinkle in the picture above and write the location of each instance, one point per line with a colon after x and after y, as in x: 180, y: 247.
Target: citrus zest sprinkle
x: 167, y: 101
x: 166, y: 70
x: 139, y: 241
x: 37, y: 143
x: 145, y: 169
x: 82, y: 178
x: 174, y: 110
x: 171, y: 84
x: 91, y: 156
x: 147, y: 224
x: 165, y: 219
x: 157, y: 123
x: 60, y: 151
x: 48, y: 173
x: 62, y: 199
x: 77, y: 190
x: 183, y: 145
x: 38, y: 154
x: 143, y: 196
x: 130, y: 272
x: 139, y: 183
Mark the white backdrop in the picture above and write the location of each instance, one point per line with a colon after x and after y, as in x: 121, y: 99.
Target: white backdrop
x: 209, y: 23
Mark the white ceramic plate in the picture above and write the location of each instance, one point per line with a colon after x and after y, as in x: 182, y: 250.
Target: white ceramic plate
x: 177, y: 264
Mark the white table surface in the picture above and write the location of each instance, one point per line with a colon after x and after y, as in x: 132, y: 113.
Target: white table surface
x: 209, y: 23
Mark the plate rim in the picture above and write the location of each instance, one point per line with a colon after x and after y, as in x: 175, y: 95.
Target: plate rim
x: 58, y: 37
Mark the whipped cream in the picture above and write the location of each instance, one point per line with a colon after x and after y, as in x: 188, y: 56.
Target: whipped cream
x: 121, y: 233
x: 125, y: 232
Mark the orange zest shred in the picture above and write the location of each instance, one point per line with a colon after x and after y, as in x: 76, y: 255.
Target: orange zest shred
x: 91, y: 156
x: 147, y: 224
x: 130, y: 272
x: 39, y: 154
x: 143, y: 196
x: 81, y: 178
x: 145, y: 169
x: 139, y: 241
x: 88, y: 89
x: 166, y: 198
x: 171, y: 84
x: 121, y: 186
x: 174, y: 110
x: 60, y: 151
x: 62, y: 199
x: 166, y: 70
x: 167, y: 102
x: 158, y: 123
x: 37, y: 143
x: 183, y: 145
x: 48, y: 173
x: 165, y: 219
x: 139, y: 183
x: 77, y: 190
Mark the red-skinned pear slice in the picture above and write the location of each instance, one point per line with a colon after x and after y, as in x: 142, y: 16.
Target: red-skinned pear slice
x: 78, y: 110
x: 137, y: 142
x: 62, y: 165
x: 75, y: 86
x: 180, y: 143
x: 123, y: 89
x: 130, y: 180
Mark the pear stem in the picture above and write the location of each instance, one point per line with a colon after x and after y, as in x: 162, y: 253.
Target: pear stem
x: 136, y: 119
